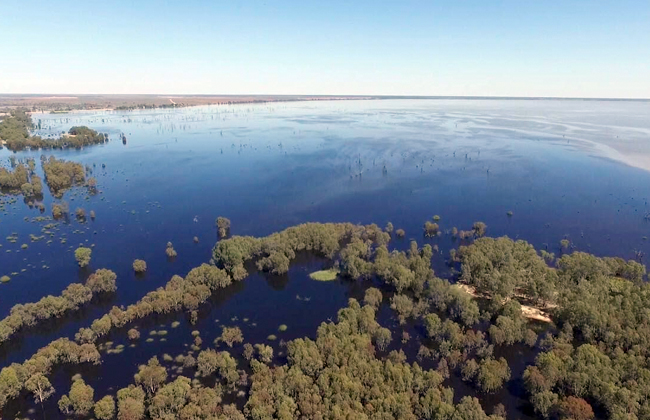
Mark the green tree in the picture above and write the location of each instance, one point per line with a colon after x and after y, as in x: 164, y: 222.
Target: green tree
x: 81, y: 397
x: 105, y: 408
x: 545, y: 403
x: 151, y: 376
x: 130, y: 403
x: 40, y: 387
x: 492, y: 374
x: 139, y: 266
x: 231, y: 335
x: 102, y: 281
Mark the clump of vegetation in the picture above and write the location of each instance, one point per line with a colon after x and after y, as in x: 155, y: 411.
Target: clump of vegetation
x: 92, y: 185
x: 264, y: 353
x: 5, y: 279
x: 431, y: 229
x: 170, y: 251
x: 80, y: 400
x: 436, y: 218
x: 223, y: 226
x: 373, y: 297
x: 400, y: 233
x: 82, y: 255
x: 92, y: 214
x: 59, y: 210
x: 80, y: 214
x: 389, y: 227
x: 133, y: 334
x: 324, y: 275
x: 231, y: 335
x: 282, y: 328
x: 479, y: 229
x: 139, y: 266
x: 14, y: 180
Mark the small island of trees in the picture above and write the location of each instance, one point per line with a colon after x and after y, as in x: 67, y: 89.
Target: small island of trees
x: 15, y: 135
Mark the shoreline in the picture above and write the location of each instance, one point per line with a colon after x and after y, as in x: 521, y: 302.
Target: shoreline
x: 67, y: 103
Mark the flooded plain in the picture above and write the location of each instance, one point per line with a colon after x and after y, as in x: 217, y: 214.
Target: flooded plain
x: 576, y: 170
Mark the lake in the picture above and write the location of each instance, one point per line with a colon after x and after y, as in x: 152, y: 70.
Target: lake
x: 565, y: 169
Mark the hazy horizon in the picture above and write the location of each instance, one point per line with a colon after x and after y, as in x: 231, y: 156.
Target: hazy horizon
x: 306, y: 96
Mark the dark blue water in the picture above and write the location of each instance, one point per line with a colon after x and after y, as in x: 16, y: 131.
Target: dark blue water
x: 556, y: 165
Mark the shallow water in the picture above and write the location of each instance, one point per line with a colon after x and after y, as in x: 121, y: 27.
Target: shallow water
x: 269, y: 166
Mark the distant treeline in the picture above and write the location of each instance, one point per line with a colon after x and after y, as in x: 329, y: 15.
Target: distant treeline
x: 14, y: 132
x: 144, y: 106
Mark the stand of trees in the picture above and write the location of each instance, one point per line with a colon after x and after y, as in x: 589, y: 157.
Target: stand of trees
x: 601, y: 357
x: 61, y: 175
x: 21, y: 180
x: 340, y: 376
x: 275, y: 252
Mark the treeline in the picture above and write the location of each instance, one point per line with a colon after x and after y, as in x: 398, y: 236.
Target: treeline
x: 71, y: 299
x: 14, y: 378
x: 14, y: 130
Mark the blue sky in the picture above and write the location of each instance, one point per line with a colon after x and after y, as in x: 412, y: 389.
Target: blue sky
x: 455, y: 47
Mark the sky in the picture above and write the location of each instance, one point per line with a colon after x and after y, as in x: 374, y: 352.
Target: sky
x: 548, y: 48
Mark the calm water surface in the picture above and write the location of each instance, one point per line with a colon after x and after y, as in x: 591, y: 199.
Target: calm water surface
x: 267, y: 167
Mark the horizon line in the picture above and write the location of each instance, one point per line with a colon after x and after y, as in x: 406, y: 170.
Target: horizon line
x: 356, y: 96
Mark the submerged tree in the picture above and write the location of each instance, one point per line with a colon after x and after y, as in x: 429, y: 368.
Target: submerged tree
x: 223, y: 226
x: 40, y: 387
x: 82, y: 255
x: 139, y: 266
x: 105, y: 408
x: 231, y: 335
x: 151, y: 376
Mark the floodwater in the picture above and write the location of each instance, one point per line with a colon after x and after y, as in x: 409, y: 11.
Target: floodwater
x: 566, y: 169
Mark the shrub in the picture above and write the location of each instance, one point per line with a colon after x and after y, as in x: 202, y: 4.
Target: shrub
x: 139, y: 266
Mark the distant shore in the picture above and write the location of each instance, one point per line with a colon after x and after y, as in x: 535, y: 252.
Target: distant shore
x: 68, y: 103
